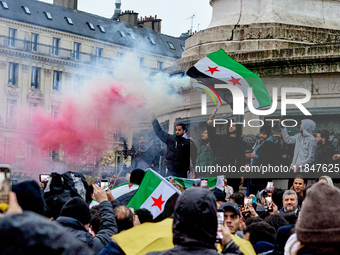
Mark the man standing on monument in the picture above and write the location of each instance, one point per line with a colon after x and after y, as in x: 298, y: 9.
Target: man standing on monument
x: 179, y: 149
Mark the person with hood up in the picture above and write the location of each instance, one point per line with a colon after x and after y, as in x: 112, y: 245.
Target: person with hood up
x: 327, y: 180
x: 305, y: 144
x: 195, y: 225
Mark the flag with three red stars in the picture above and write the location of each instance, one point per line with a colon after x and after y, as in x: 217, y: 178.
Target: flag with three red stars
x: 155, y: 194
x: 219, y: 68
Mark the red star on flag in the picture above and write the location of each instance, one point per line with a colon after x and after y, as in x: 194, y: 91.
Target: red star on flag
x: 158, y: 202
x: 235, y: 81
x: 130, y: 186
x: 212, y: 69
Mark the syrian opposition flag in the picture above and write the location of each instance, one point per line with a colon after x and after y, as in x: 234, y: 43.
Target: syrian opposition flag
x: 213, y: 182
x: 155, y: 194
x: 187, y: 183
x: 219, y: 68
x: 120, y: 190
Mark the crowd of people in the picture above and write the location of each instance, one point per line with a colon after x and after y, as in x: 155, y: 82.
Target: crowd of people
x: 300, y: 220
x: 55, y: 217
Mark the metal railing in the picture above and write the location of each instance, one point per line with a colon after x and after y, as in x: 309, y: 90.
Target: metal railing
x: 49, y: 50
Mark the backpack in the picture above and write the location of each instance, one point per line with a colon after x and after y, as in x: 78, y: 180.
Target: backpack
x: 61, y: 188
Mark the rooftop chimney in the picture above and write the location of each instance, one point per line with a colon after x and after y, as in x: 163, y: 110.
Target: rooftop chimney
x: 72, y: 4
x: 129, y: 17
x: 151, y: 23
x: 117, y: 10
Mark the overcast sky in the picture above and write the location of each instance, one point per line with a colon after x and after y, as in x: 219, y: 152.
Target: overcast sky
x: 174, y: 13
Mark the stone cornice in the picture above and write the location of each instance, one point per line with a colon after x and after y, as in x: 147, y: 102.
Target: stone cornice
x: 311, y: 59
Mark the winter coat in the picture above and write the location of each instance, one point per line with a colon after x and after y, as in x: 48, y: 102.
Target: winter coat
x: 305, y: 144
x: 107, y: 228
x: 227, y: 150
x: 29, y: 233
x: 195, y: 225
x: 148, y: 158
x: 205, y: 155
x: 265, y: 153
x: 324, y: 153
x: 179, y: 151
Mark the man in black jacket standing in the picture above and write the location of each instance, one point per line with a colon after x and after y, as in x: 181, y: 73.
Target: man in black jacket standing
x: 75, y: 216
x: 325, y: 150
x: 179, y: 149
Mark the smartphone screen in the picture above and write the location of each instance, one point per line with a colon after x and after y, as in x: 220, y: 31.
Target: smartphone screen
x: 104, y: 183
x: 220, y: 223
x: 247, y: 203
x: 270, y: 187
x: 269, y: 203
x: 44, y: 177
x: 5, y: 186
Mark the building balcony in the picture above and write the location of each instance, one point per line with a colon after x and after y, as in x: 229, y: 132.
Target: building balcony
x: 52, y: 51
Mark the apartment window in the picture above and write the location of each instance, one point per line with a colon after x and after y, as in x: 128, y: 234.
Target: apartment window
x: 32, y: 108
x: 183, y: 48
x: 152, y: 41
x: 48, y: 15
x: 11, y: 37
x: 13, y: 73
x: 26, y: 10
x: 34, y: 42
x: 57, y: 81
x: 141, y: 62
x: 4, y: 5
x: 8, y: 148
x: 30, y: 150
x: 171, y: 45
x: 101, y: 28
x: 91, y: 26
x: 132, y: 35
x: 55, y: 46
x: 11, y: 106
x: 54, y: 112
x: 99, y: 52
x: 76, y: 50
x: 35, y: 78
x: 78, y: 82
x: 122, y: 34
x: 120, y: 55
x: 69, y: 20
x: 160, y: 65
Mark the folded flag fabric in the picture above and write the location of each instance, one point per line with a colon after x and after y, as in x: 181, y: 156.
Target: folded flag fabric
x: 119, y: 191
x: 213, y: 182
x: 219, y: 68
x: 155, y: 194
x: 146, y: 237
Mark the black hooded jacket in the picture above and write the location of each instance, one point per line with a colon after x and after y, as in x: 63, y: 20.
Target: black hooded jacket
x: 108, y: 227
x: 195, y: 224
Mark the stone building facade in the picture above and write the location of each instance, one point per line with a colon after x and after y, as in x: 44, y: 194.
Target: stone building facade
x: 48, y: 49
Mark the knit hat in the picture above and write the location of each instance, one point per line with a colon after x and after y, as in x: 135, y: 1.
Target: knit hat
x: 77, y: 208
x: 30, y: 196
x: 137, y: 176
x: 319, y: 219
